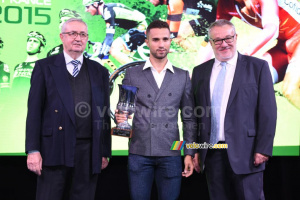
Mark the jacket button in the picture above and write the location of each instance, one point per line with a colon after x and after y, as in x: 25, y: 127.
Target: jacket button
x: 152, y: 125
x: 60, y: 128
x: 56, y: 111
x: 149, y: 96
x: 170, y: 94
x: 166, y: 125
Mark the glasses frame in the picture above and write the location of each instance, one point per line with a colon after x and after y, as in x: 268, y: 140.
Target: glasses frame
x: 74, y: 34
x: 224, y: 39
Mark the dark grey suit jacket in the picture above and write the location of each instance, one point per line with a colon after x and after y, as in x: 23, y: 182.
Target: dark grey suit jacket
x: 155, y: 123
x: 251, y: 113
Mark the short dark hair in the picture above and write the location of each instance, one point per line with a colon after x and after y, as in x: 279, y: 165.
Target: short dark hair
x: 218, y: 23
x: 157, y: 24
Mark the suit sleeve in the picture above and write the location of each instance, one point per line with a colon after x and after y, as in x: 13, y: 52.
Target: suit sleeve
x: 194, y: 86
x: 267, y: 113
x: 36, y: 101
x: 107, y: 123
x: 126, y: 80
x: 187, y: 116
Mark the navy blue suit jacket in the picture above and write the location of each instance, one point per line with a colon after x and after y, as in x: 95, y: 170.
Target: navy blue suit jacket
x: 50, y: 125
x: 251, y: 113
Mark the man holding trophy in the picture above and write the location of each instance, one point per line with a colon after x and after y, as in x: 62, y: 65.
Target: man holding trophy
x: 162, y: 90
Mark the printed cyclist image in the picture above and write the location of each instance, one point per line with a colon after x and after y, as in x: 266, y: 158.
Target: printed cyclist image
x: 117, y: 14
x: 188, y: 18
x: 36, y: 42
x: 277, y: 20
x: 4, y: 72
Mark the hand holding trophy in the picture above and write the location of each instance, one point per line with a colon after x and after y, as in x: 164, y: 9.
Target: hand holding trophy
x: 126, y: 105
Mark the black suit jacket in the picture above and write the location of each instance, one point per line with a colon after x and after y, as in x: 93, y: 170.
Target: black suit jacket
x: 250, y: 118
x: 50, y: 125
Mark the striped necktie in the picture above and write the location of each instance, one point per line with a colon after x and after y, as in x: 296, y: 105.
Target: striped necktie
x: 75, y: 63
x: 216, y: 103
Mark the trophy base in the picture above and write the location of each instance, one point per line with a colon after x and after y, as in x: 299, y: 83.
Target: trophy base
x: 121, y: 132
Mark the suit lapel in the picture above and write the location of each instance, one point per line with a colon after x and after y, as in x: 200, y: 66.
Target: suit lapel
x: 95, y: 88
x: 59, y: 72
x: 237, y: 79
x: 148, y: 73
x: 166, y: 82
x: 207, y: 82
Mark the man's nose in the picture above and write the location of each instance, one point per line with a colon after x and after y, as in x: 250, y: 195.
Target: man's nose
x: 160, y: 43
x: 77, y: 38
x: 224, y: 44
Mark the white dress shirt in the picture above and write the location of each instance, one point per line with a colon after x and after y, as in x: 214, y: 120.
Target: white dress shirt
x: 230, y: 69
x: 70, y: 66
x: 159, y: 77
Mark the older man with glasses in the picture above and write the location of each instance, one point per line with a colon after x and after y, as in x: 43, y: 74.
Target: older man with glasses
x: 67, y: 140
x: 240, y: 93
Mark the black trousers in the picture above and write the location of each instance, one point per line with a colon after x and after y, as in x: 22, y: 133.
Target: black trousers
x: 224, y: 184
x: 69, y: 183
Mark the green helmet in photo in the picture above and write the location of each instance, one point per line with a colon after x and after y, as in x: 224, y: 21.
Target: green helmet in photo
x: 69, y: 13
x: 37, y: 35
x: 89, y: 2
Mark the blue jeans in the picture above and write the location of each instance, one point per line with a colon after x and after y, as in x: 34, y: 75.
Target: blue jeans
x: 144, y: 169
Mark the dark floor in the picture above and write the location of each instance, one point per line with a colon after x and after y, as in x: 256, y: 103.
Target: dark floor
x: 281, y: 180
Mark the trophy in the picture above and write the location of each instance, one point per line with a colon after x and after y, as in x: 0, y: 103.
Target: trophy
x: 126, y: 105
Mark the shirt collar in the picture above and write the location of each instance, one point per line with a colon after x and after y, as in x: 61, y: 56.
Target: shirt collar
x: 68, y: 58
x: 231, y: 62
x: 168, y: 66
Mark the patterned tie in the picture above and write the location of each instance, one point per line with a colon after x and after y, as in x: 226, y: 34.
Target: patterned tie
x: 216, y: 103
x: 75, y: 70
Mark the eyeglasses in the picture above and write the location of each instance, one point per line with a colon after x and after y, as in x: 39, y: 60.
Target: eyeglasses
x: 74, y: 34
x: 228, y: 40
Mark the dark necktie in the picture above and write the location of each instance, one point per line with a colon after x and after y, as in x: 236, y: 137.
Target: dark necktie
x: 75, y: 63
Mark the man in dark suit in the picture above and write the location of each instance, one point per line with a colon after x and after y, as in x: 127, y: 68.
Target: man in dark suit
x: 163, y: 90
x: 67, y: 140
x: 237, y: 94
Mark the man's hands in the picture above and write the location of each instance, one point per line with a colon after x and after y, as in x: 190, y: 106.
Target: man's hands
x: 34, y: 162
x: 121, y: 117
x: 188, y: 166
x: 104, y: 162
x: 260, y: 158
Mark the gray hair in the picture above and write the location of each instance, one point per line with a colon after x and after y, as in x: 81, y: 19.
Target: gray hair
x: 220, y: 22
x: 63, y: 28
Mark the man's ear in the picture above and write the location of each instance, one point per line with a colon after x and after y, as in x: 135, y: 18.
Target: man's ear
x: 147, y: 42
x: 42, y: 48
x: 61, y: 36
